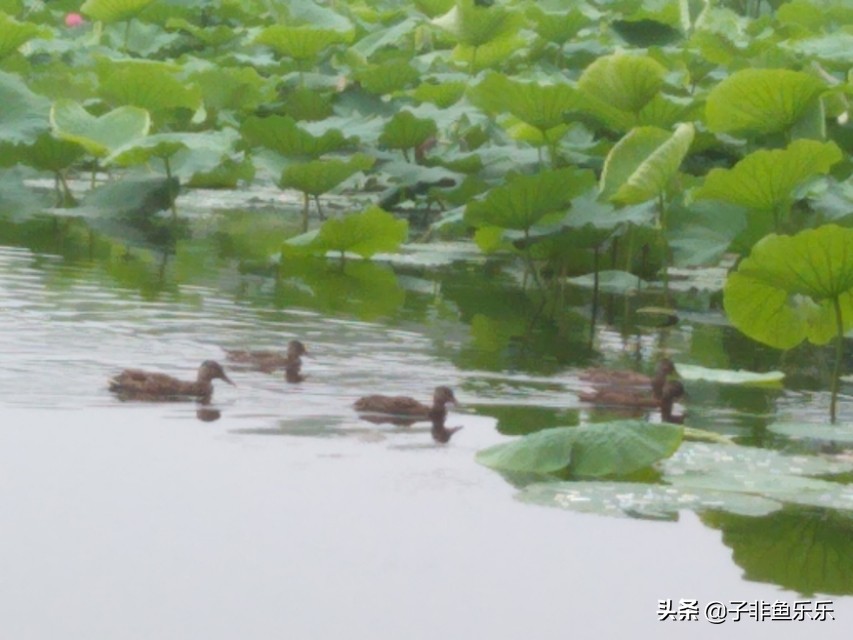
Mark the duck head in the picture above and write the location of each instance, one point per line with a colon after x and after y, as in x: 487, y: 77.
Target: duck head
x: 443, y: 395
x: 295, y: 349
x: 211, y: 370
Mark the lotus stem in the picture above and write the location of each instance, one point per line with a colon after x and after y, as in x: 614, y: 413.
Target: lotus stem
x: 169, y: 178
x: 839, y: 352
x: 306, y: 203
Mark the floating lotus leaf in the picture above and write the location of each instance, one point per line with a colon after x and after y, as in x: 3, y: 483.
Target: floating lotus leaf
x: 235, y: 88
x: 765, y: 179
x: 100, y: 135
x: 558, y: 26
x: 641, y: 165
x: 524, y: 200
x: 24, y: 114
x: 729, y: 376
x: 841, y: 433
x: 761, y: 100
x: 386, y: 77
x: 592, y: 450
x: 113, y: 10
x: 783, y: 292
x: 834, y: 48
x: 475, y: 26
x: 441, y: 94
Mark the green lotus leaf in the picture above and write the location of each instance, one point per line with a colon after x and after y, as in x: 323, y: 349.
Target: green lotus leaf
x: 301, y: 43
x: 24, y: 114
x: 396, y: 36
x: 592, y: 450
x: 13, y: 33
x: 17, y: 201
x: 524, y: 200
x: 783, y: 292
x: 319, y: 176
x: 49, y: 153
x: 701, y: 233
x: 540, y: 105
x: 99, y: 135
x: 366, y: 233
x: 765, y: 179
x: 476, y: 26
x: 212, y: 36
x: 834, y: 48
x: 146, y: 84
x: 609, y: 281
x: 625, y: 82
x: 642, y: 500
x: 284, y: 135
x: 558, y: 27
x: 405, y: 131
x: 728, y: 376
x: 113, y: 10
x: 641, y: 164
x: 433, y: 8
x: 761, y: 100
x: 386, y: 77
x: 841, y: 433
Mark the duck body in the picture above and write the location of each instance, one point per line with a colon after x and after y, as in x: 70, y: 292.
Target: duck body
x: 670, y: 392
x: 406, y: 409
x: 137, y: 384
x: 271, y: 361
x: 631, y: 379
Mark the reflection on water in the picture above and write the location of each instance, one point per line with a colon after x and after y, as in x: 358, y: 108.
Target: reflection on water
x: 68, y: 323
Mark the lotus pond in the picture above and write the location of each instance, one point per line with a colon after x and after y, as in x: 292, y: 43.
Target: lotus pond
x: 489, y: 195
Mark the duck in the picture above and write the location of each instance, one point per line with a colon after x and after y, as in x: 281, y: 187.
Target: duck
x: 670, y: 392
x: 269, y: 361
x: 611, y: 377
x: 136, y: 384
x: 407, y: 411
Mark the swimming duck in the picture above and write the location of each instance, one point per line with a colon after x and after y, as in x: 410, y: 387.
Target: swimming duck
x: 612, y: 377
x: 408, y: 409
x: 670, y: 392
x: 269, y: 361
x: 135, y: 384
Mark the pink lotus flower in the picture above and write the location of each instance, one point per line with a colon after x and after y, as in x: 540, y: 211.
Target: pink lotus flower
x: 73, y: 20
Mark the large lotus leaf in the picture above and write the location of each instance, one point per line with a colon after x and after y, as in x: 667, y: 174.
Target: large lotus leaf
x: 475, y: 26
x: 592, y: 450
x: 441, y: 94
x: 284, y: 135
x: 539, y: 105
x: 113, y: 10
x: 214, y: 36
x: 524, y: 200
x: 760, y: 100
x: 782, y: 293
x: 641, y: 165
x: 405, y: 131
x: 146, y: 84
x: 100, y: 135
x: 236, y: 88
x: 17, y: 202
x: 835, y: 48
x: 13, y: 33
x: 365, y: 234
x: 626, y: 82
x: 842, y: 434
x: 638, y: 500
x: 24, y: 114
x: 729, y: 376
x: 396, y: 36
x: 765, y: 179
x: 163, y: 145
x: 588, y: 210
x: 392, y: 75
x: 665, y: 112
x: 319, y: 176
x: 701, y: 233
x: 301, y: 43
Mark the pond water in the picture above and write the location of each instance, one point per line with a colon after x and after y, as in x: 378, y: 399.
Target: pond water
x: 285, y: 515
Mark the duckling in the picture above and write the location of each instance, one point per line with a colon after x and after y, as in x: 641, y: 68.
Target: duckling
x: 405, y: 410
x: 135, y: 384
x: 269, y: 361
x: 598, y: 376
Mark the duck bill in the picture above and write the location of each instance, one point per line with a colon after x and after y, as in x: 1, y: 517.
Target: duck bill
x: 228, y: 380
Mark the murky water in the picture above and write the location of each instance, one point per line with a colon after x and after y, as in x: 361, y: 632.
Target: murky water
x: 288, y: 516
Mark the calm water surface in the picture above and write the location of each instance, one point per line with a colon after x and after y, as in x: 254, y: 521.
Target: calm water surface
x: 289, y: 517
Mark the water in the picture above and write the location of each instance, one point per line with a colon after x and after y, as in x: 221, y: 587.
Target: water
x: 288, y: 515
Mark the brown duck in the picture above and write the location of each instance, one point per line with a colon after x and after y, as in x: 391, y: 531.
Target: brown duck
x: 135, y: 384
x: 671, y: 391
x: 269, y: 361
x: 405, y: 410
x: 615, y: 378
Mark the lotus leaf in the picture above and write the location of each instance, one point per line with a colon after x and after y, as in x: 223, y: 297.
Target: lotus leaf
x: 365, y: 234
x: 113, y: 10
x: 100, y: 135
